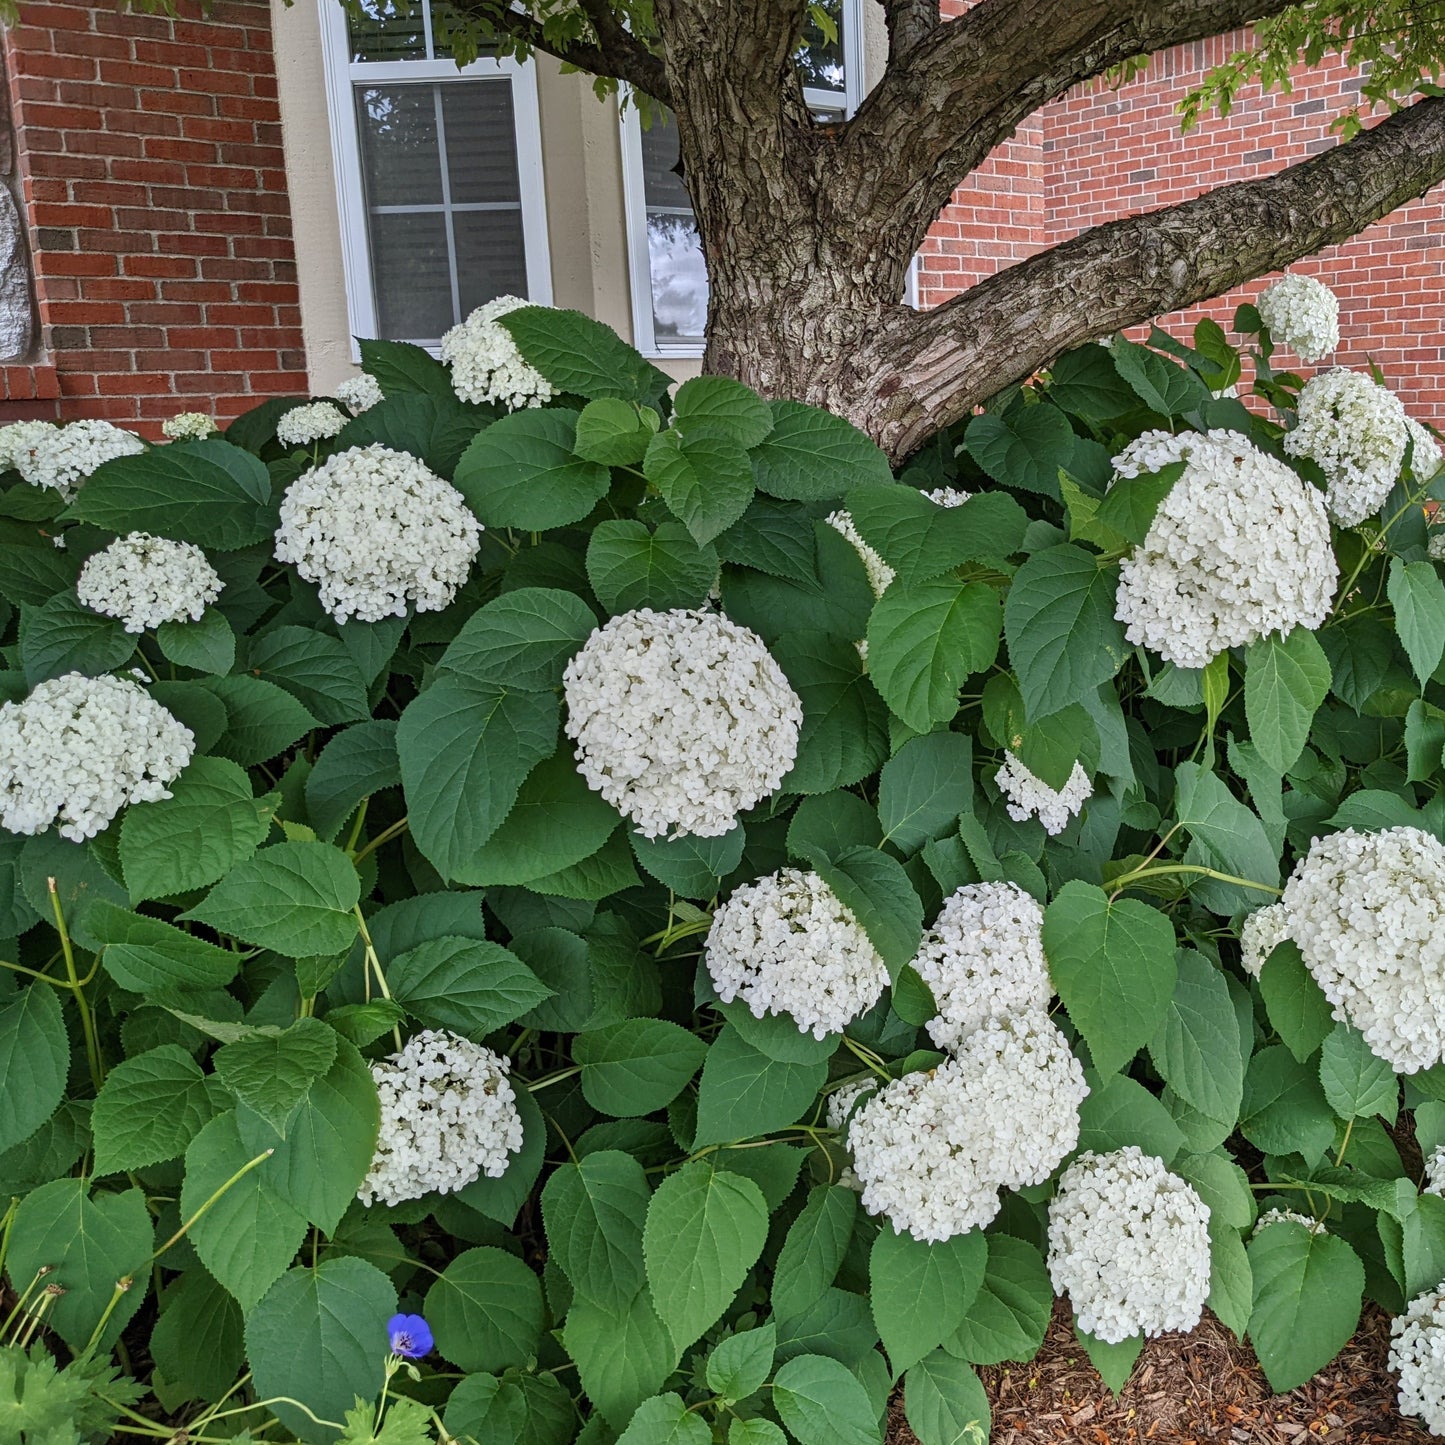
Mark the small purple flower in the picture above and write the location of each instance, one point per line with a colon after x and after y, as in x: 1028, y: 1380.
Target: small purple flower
x: 410, y: 1336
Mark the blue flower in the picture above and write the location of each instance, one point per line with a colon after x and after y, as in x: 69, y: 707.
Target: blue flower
x: 410, y: 1336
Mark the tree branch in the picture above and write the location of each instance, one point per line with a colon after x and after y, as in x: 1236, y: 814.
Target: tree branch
x: 946, y: 361
x: 910, y: 22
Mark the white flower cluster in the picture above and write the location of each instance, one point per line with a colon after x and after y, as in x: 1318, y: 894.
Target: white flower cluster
x: 448, y: 1115
x: 1152, y: 451
x: 1436, y: 545
x: 880, y: 574
x: 839, y: 1108
x: 19, y: 440
x: 313, y: 422
x: 1425, y: 459
x: 1354, y: 429
x: 786, y: 944
x: 145, y: 580
x: 1029, y: 796
x: 1285, y: 1216
x: 188, y: 426
x: 984, y: 956
x: 933, y: 1149
x: 1417, y: 1356
x: 1263, y: 932
x: 1435, y: 1171
x: 359, y: 393
x: 375, y: 529
x: 64, y: 456
x: 1239, y: 548
x: 682, y: 720
x: 486, y: 365
x: 1302, y: 314
x: 78, y: 749
x: 1129, y: 1245
x: 1368, y: 913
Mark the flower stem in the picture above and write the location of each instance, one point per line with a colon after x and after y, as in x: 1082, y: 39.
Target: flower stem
x: 77, y: 988
x: 374, y: 964
x: 245, y: 1169
x: 385, y: 836
x: 1120, y: 884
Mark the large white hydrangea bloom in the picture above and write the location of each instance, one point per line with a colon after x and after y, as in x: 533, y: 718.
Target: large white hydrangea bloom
x: 682, y: 720
x: 1425, y: 459
x: 1435, y: 1171
x: 1263, y: 931
x: 313, y: 422
x: 1239, y: 548
x: 448, y: 1116
x: 1302, y: 314
x: 786, y: 944
x: 78, y: 749
x: 188, y: 426
x: 1354, y: 429
x: 19, y: 439
x: 1417, y: 1356
x: 1129, y: 1245
x: 64, y: 456
x: 486, y: 365
x: 1368, y: 913
x: 375, y: 529
x: 359, y: 393
x: 984, y: 956
x: 1027, y: 796
x: 145, y: 580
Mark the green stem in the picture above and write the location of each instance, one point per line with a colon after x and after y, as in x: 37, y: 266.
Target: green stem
x: 374, y: 964
x: 385, y: 836
x: 87, y: 1019
x: 357, y: 826
x: 1415, y: 499
x: 868, y: 1057
x: 20, y: 1303
x: 245, y: 1169
x: 122, y: 1287
x: 1120, y: 884
x: 554, y: 1078
x: 1345, y: 1142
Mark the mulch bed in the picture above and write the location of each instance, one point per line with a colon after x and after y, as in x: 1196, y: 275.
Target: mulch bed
x: 1189, y: 1390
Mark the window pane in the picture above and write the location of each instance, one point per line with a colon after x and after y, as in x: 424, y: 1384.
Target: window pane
x: 411, y: 275
x: 491, y: 259
x: 820, y: 60
x: 659, y: 166
x: 400, y: 162
x: 679, y: 277
x: 386, y: 30
x: 481, y: 150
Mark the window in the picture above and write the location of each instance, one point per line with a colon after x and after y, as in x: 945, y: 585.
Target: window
x: 669, y: 277
x: 439, y: 172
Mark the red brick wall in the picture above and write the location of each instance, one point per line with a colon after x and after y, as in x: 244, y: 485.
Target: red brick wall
x: 150, y: 152
x: 1098, y: 154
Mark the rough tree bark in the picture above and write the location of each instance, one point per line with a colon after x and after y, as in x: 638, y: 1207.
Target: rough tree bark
x: 808, y: 229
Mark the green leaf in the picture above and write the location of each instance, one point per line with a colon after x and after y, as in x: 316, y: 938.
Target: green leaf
x: 523, y: 472
x: 630, y: 566
x: 1307, y: 1291
x: 632, y: 1068
x: 1222, y: 1185
x: 273, y: 1075
x: 149, y: 1109
x: 486, y: 1310
x: 1226, y: 836
x: 434, y: 428
x: 1120, y: 1111
x: 1284, y: 1109
x: 721, y: 406
x: 739, y: 1366
x: 925, y: 640
x: 1231, y: 1280
x: 293, y: 898
x: 315, y: 669
x: 665, y: 1420
x: 1114, y: 967
x: 744, y: 1092
x: 207, y: 644
x: 1063, y: 639
x: 580, y: 355
x: 62, y: 636
x: 813, y: 456
x: 1357, y: 1084
x: 404, y: 369
x: 522, y: 639
x: 262, y: 719
x: 814, y: 1249
x: 1295, y: 1003
x: 1163, y: 386
x: 705, y: 1229
x: 614, y: 432
x: 145, y: 955
x: 593, y: 1212
x: 197, y: 1343
x: 945, y: 1402
x: 1086, y: 383
x: 1009, y: 1317
x: 692, y: 867
x: 465, y: 749
x: 844, y: 736
x: 1027, y: 448
x: 923, y: 788
x: 1197, y: 1048
x: 922, y: 1293
x: 34, y: 1061
x: 876, y: 890
x: 464, y: 985
x: 623, y: 1353
x: 319, y: 1337
x: 1129, y: 506
x: 1114, y: 1362
x: 1285, y: 681
x: 706, y: 480
x: 87, y: 1244
x: 919, y: 539
x: 207, y: 492
x: 248, y: 1234
x: 1418, y: 597
x: 519, y: 1410
x: 209, y: 824
x: 823, y: 1403
x: 355, y: 764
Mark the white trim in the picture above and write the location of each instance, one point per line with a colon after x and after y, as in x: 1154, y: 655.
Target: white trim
x: 342, y: 77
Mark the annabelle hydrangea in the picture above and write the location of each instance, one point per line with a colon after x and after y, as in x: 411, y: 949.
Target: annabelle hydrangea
x: 486, y: 364
x: 1263, y: 931
x: 1129, y: 1245
x: 1285, y: 1216
x: 1302, y: 314
x: 880, y: 574
x: 984, y: 956
x: 682, y: 720
x: 375, y: 529
x: 64, y: 456
x: 188, y: 426
x: 1027, y: 796
x: 145, y: 580
x: 1368, y: 913
x: 1417, y: 1356
x: 359, y: 393
x: 787, y: 945
x: 1435, y: 1171
x: 79, y: 749
x: 1355, y: 430
x: 19, y: 438
x: 448, y: 1116
x: 314, y: 422
x: 1238, y: 549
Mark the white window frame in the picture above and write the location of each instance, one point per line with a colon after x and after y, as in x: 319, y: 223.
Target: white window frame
x: 644, y: 336
x: 343, y: 75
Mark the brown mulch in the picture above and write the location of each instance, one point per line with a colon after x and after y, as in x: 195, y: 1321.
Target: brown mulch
x: 1189, y: 1390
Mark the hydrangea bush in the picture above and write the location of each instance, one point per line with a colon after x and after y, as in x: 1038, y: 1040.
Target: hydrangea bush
x: 538, y: 906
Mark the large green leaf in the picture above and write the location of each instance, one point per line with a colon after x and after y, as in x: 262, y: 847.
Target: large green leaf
x: 1418, y: 597
x: 1226, y: 836
x: 721, y: 406
x: 945, y: 1402
x: 705, y: 1229
x: 1114, y: 967
x: 1086, y: 383
x: 1120, y: 1111
x: 62, y: 636
x: 435, y: 427
x: 1159, y: 383
x: 812, y: 456
x: 823, y: 1403
x: 744, y: 1092
x: 665, y: 1420
x: 1027, y: 448
x: 582, y: 356
x: 197, y: 1343
x: 1284, y: 1110
x: 355, y: 764
x: 614, y: 432
x: 315, y: 669
x: 1296, y: 1005
x: 523, y: 472
x: 634, y: 1067
x: 844, y: 735
x: 706, y: 480
x: 145, y: 955
x: 876, y: 890
x: 920, y: 539
x: 150, y: 1108
x: 692, y: 867
x: 207, y: 644
x: 630, y: 566
x: 923, y: 788
x: 593, y: 1212
x: 34, y: 1060
x: 921, y: 1293
x: 623, y: 1353
x: 1285, y: 681
x: 522, y: 639
x: 486, y: 1310
x: 274, y: 1073
x: 464, y: 985
x: 1357, y: 1084
x: 262, y: 719
x: 1010, y: 1314
x: 813, y: 1251
x: 1197, y: 1048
